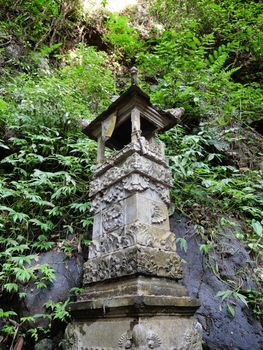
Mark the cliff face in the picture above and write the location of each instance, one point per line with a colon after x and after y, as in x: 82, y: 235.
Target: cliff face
x: 205, y: 275
x: 60, y: 64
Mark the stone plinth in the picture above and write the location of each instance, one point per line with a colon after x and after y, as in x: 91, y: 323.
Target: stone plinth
x: 146, y: 324
x: 142, y: 313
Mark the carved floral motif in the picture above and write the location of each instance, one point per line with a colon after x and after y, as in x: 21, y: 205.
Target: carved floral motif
x: 131, y: 261
x: 112, y: 217
x: 122, y: 189
x: 125, y: 341
x: 139, y: 338
x: 114, y: 194
x: 135, y: 182
x: 130, y: 235
x: 134, y: 164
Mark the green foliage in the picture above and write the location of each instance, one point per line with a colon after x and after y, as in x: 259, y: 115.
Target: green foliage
x: 234, y: 295
x: 38, y: 22
x: 188, y: 75
x: 122, y: 35
x: 201, y: 176
x: 229, y: 21
x: 182, y: 243
x: 255, y: 300
x: 58, y: 310
x: 45, y: 170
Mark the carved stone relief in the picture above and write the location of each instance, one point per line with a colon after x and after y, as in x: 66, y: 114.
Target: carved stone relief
x: 163, y: 192
x: 114, y: 193
x: 135, y: 182
x: 141, y: 145
x: 159, y: 213
x: 123, y: 188
x: 125, y: 341
x: 134, y: 164
x: 113, y: 217
x: 71, y: 338
x: 192, y: 339
x: 129, y: 235
x: 130, y: 261
x: 140, y: 338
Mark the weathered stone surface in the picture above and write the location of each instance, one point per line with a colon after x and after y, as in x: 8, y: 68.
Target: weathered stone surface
x: 134, y: 164
x: 221, y: 330
x: 131, y: 225
x: 134, y: 234
x: 132, y: 299
x: 130, y: 210
x: 152, y: 150
x: 134, y: 286
x: 134, y: 306
x: 132, y: 261
x: 125, y: 187
x: 142, y: 333
x: 68, y: 274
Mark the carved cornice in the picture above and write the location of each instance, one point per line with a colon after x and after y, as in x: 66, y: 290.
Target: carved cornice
x: 151, y: 151
x: 130, y: 261
x: 134, y: 164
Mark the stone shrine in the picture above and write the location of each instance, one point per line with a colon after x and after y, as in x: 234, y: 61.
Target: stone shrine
x: 132, y: 298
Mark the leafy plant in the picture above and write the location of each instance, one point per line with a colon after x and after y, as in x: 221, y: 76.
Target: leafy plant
x: 182, y: 243
x: 122, y: 35
x: 228, y: 294
x: 58, y: 310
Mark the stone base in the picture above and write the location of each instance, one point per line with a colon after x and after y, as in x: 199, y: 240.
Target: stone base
x: 139, y: 313
x: 161, y: 332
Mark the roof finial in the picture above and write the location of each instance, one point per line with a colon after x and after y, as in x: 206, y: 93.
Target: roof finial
x: 134, y: 76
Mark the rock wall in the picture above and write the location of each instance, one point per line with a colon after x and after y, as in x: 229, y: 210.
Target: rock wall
x: 220, y: 329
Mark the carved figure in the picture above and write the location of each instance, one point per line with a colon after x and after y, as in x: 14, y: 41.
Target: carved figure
x: 192, y: 338
x: 159, y: 214
x: 140, y: 338
x: 112, y: 217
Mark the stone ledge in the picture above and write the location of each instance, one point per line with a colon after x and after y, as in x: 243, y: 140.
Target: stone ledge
x: 139, y: 285
x: 134, y: 306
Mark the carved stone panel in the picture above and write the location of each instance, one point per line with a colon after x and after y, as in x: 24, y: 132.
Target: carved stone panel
x: 130, y: 261
x: 125, y: 187
x: 135, y: 163
x: 165, y: 332
x: 158, y: 214
x: 150, y: 150
x: 129, y: 235
x: 140, y: 338
x: 113, y: 217
x: 136, y: 207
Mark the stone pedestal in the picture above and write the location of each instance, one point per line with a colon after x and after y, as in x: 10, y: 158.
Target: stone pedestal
x: 140, y: 323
